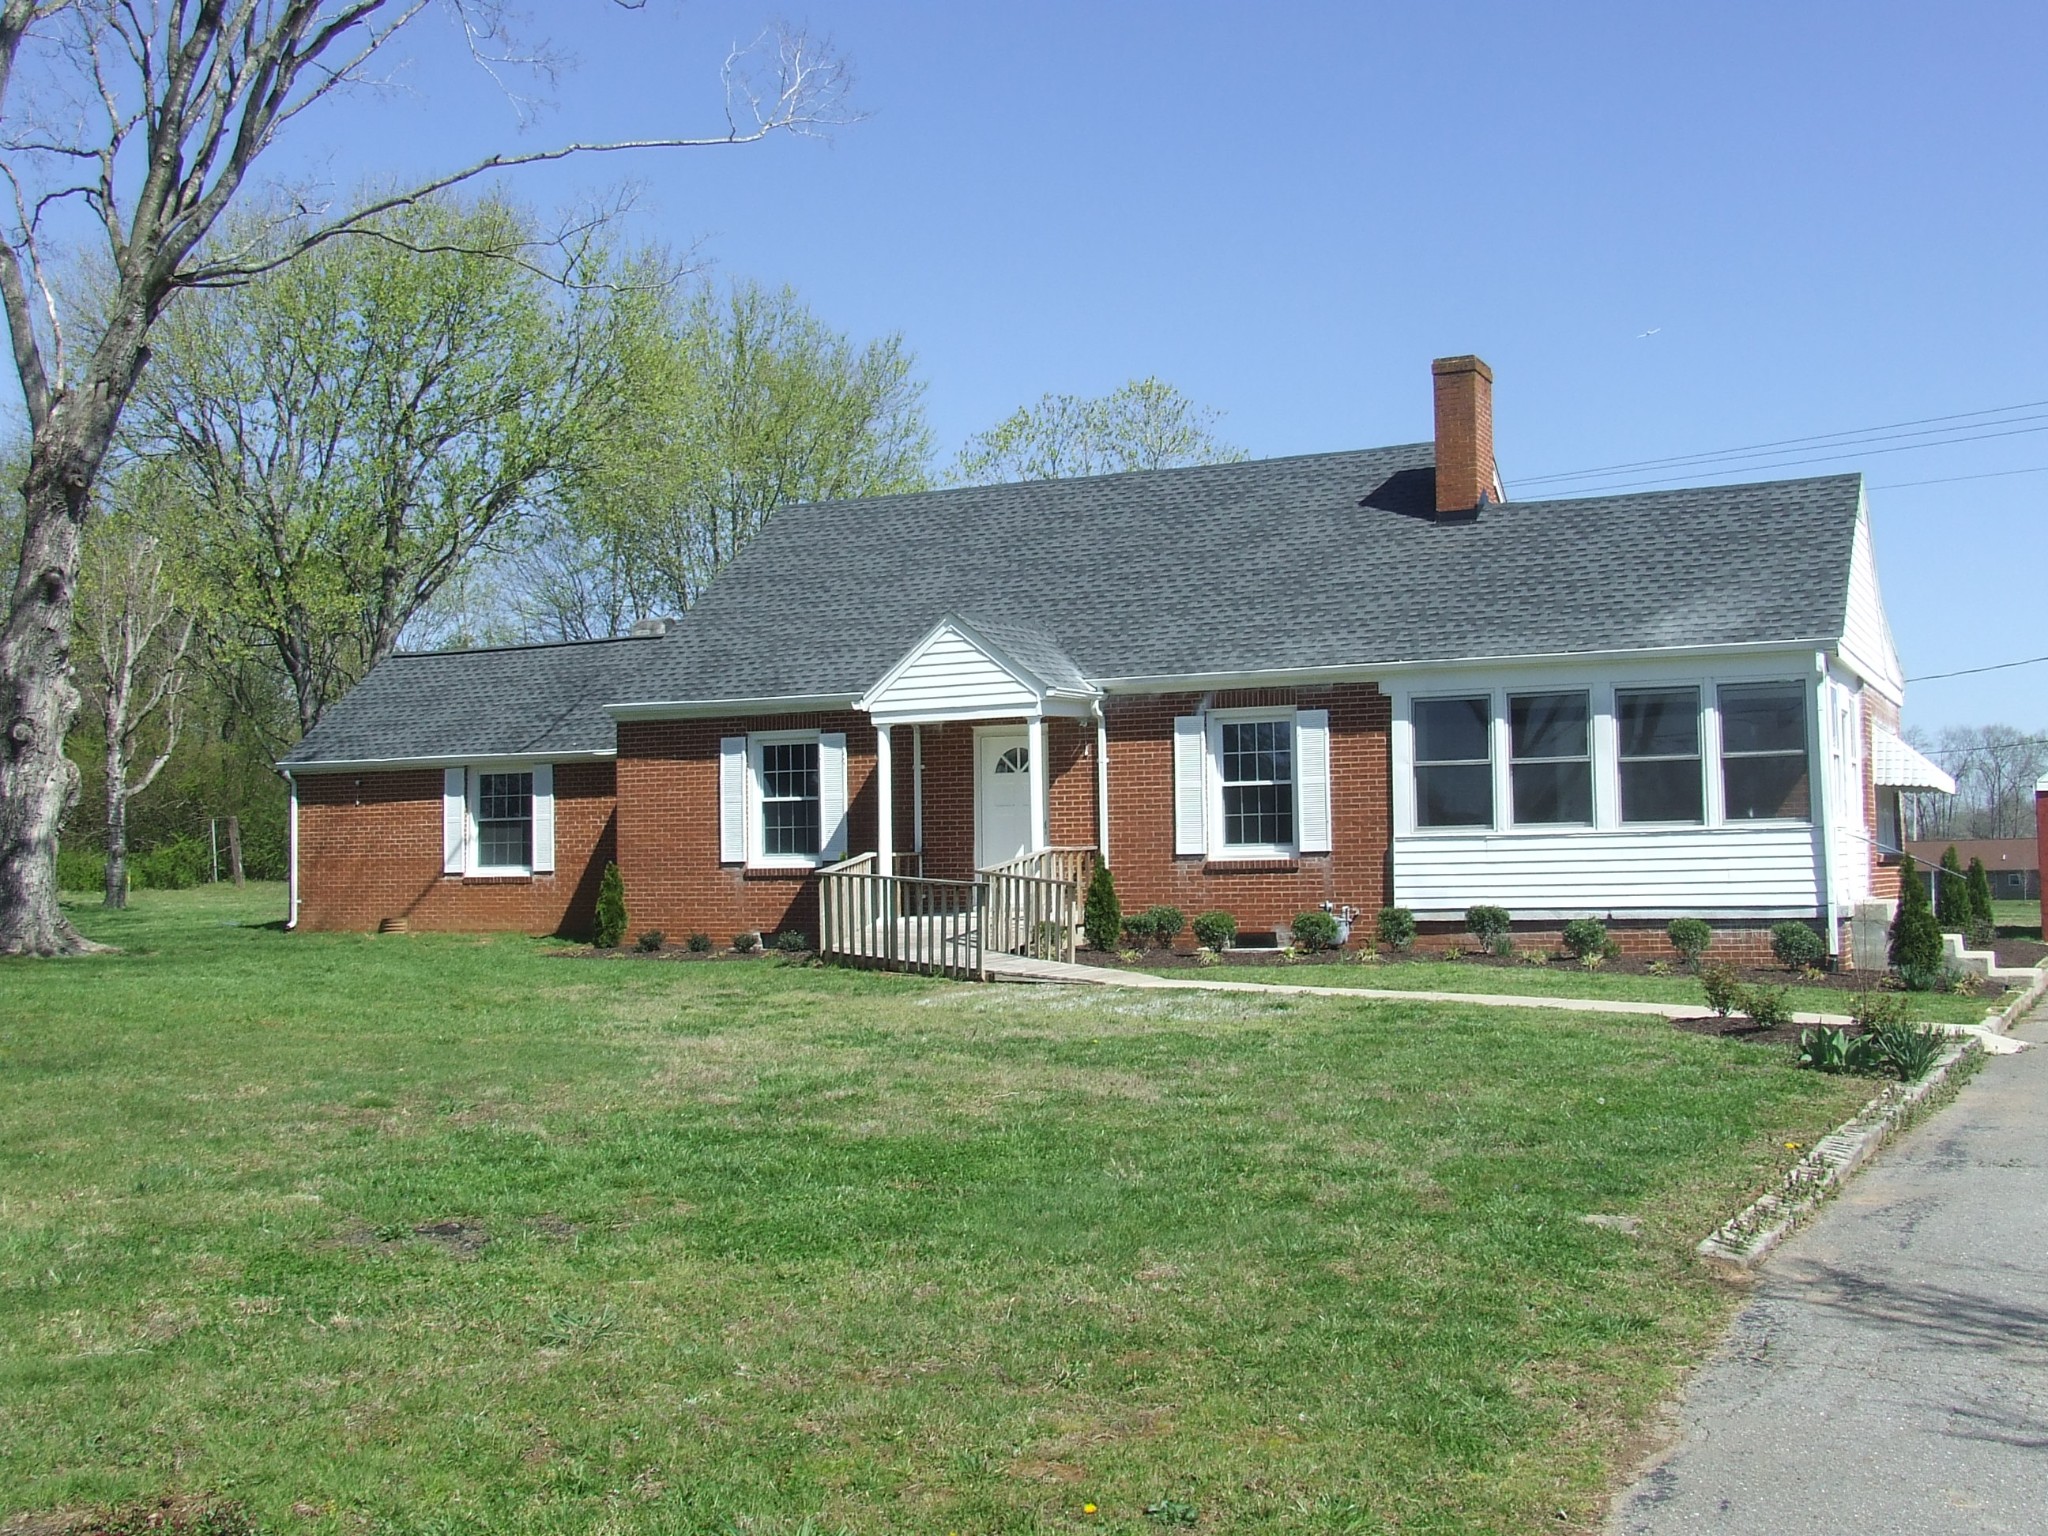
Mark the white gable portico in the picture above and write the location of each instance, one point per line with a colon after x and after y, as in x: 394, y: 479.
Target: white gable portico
x: 980, y: 671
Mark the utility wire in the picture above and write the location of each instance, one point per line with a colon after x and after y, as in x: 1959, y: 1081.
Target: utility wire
x: 1992, y: 474
x: 1753, y: 449
x: 1997, y: 666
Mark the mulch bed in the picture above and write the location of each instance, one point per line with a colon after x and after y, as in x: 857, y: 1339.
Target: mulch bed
x: 2016, y: 951
x: 1739, y: 1028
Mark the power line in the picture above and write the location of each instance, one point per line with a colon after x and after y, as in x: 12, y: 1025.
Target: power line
x: 1997, y: 666
x: 1993, y: 474
x: 1828, y: 458
x: 1787, y: 442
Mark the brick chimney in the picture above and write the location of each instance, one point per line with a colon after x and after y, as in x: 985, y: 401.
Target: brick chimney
x: 1464, y: 435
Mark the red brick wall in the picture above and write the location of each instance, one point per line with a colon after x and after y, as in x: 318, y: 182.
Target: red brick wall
x: 949, y: 792
x: 370, y: 848
x: 1735, y: 943
x: 1262, y: 896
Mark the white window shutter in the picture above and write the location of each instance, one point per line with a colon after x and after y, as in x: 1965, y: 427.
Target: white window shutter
x: 732, y: 800
x: 543, y: 818
x: 1312, y: 780
x: 832, y: 795
x: 454, y: 821
x: 1190, y: 784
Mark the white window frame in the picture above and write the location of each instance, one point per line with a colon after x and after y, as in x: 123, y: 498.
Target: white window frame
x: 757, y: 855
x: 1813, y: 704
x: 1213, y: 771
x: 1496, y: 760
x: 1707, y: 721
x: 1505, y: 720
x: 473, y: 792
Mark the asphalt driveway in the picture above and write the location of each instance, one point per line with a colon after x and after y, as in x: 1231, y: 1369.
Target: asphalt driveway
x: 1890, y: 1372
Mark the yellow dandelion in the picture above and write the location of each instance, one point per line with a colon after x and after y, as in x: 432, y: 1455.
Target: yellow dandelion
x: 1087, y: 1509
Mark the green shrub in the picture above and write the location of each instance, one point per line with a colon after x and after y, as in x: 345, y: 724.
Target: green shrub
x: 609, y: 926
x: 1691, y: 937
x: 1874, y: 1009
x: 1767, y: 1006
x: 746, y: 943
x: 1915, y: 935
x: 1503, y: 945
x: 1951, y: 894
x: 1927, y: 978
x: 699, y: 944
x: 650, y: 941
x: 1797, y: 946
x: 81, y: 869
x: 1979, y: 885
x: 1155, y: 925
x: 1314, y: 931
x: 1583, y: 936
x: 1102, y: 916
x: 1488, y: 925
x: 174, y: 866
x: 1216, y: 930
x: 1396, y: 927
x: 790, y: 942
x: 1724, y: 991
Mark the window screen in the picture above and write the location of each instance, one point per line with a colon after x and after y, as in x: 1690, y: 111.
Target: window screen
x: 1659, y: 742
x: 1453, y: 762
x: 1551, y: 766
x: 789, y: 799
x: 504, y: 820
x: 1763, y: 751
x: 1258, y: 783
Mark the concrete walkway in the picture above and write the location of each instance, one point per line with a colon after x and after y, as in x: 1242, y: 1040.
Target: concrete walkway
x: 1003, y: 967
x: 1890, y: 1373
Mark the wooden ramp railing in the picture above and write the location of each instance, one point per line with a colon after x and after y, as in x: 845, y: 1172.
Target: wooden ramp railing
x: 905, y: 922
x: 899, y: 922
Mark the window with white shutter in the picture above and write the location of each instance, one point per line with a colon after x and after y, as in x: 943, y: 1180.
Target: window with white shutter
x: 732, y: 800
x: 1190, y: 786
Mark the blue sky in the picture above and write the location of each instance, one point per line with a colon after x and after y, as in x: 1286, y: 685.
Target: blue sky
x: 1830, y: 217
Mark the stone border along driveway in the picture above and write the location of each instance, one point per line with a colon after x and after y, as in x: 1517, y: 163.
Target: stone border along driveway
x: 1746, y: 1238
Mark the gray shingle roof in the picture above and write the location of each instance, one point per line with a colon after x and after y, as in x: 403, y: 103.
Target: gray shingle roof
x: 1325, y: 560
x: 505, y: 701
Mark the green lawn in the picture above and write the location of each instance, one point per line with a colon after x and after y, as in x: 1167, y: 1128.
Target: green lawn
x: 776, y: 1249
x: 1563, y: 979
x: 2022, y: 915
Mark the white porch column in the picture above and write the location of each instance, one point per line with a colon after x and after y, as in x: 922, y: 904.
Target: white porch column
x: 885, y: 804
x: 1037, y: 787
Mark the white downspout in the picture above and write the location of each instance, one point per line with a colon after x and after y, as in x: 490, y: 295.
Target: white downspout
x: 291, y: 839
x: 917, y: 789
x: 1101, y: 784
x: 1821, y: 775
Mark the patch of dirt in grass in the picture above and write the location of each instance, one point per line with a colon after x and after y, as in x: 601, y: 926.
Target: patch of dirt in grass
x: 1739, y: 1028
x: 459, y: 1239
x: 178, y: 1515
x: 556, y: 1227
x: 2013, y: 950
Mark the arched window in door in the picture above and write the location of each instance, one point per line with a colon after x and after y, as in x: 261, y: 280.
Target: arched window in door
x: 1016, y: 760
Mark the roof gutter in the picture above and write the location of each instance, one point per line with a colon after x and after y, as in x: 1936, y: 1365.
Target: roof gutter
x: 1347, y: 672
x: 288, y: 767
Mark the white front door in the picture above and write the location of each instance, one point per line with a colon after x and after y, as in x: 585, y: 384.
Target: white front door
x: 1002, y: 796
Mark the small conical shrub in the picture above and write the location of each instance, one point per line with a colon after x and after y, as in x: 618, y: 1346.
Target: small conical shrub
x: 1951, y: 894
x: 610, y: 924
x: 1102, y: 919
x: 1916, y: 935
x: 1979, y: 884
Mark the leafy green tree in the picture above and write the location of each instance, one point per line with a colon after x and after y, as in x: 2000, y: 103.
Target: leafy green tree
x: 354, y: 429
x: 609, y: 927
x: 1952, y: 894
x: 1144, y: 424
x: 1916, y: 934
x: 737, y: 401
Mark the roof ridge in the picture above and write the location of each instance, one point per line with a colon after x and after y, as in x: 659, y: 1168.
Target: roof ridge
x: 519, y: 645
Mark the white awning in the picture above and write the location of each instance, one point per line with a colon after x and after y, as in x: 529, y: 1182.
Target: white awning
x: 1896, y: 765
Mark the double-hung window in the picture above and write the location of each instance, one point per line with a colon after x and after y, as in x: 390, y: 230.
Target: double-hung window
x: 1551, y: 758
x: 1454, y: 762
x: 789, y: 799
x: 1763, y: 752
x: 1658, y: 734
x: 1256, y: 764
x: 504, y: 822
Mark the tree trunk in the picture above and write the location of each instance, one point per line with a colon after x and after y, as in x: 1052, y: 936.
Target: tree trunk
x: 117, y: 825
x: 38, y: 700
x: 235, y: 849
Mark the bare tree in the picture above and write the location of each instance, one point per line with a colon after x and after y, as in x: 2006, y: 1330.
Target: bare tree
x: 148, y: 116
x: 135, y: 676
x: 1995, y: 768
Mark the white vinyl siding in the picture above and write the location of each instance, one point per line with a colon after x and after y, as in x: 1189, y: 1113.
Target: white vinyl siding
x: 1867, y: 634
x: 1758, y: 870
x: 952, y: 678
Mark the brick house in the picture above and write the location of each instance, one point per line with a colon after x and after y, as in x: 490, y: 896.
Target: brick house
x: 1360, y: 678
